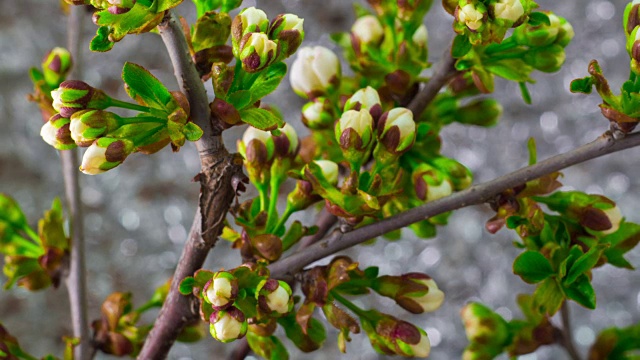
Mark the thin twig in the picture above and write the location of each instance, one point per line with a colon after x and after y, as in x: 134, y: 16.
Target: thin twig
x: 567, y: 333
x: 76, y: 278
x: 287, y: 267
x: 445, y: 71
x: 218, y: 170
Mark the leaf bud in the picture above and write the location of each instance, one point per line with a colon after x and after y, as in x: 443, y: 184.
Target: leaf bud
x: 483, y: 325
x: 89, y: 125
x: 256, y: 51
x: 105, y: 154
x: 547, y: 59
x: 287, y: 29
x: 367, y: 30
x: 267, y: 247
x: 56, y: 133
x: 365, y: 99
x: 221, y: 291
x: 560, y: 32
x: 481, y: 112
x: 247, y: 21
x: 397, y: 130
x: 228, y: 325
x: 318, y: 114
x: 56, y: 65
x: 314, y: 72
x: 75, y: 95
x: 274, y: 297
x: 473, y: 16
x: 510, y: 10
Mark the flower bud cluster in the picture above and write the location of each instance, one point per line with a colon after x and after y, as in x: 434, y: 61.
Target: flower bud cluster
x: 258, y: 43
x: 545, y: 43
x: 487, y: 22
x: 232, y: 299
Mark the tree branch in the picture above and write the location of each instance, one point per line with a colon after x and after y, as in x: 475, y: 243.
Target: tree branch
x: 287, y: 267
x: 567, y: 333
x: 76, y: 278
x: 219, y: 170
x: 445, y: 71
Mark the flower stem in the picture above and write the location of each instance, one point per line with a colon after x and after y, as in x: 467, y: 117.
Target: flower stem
x: 351, y: 306
x: 127, y: 105
x: 140, y: 120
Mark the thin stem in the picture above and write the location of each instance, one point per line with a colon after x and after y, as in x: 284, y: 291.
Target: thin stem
x: 272, y: 213
x: 445, y: 71
x: 287, y: 267
x: 349, y: 305
x: 285, y: 216
x: 567, y: 333
x: 127, y: 105
x: 140, y: 120
x: 76, y: 278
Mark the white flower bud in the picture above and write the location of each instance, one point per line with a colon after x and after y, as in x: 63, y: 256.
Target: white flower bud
x: 361, y: 122
x: 615, y: 217
x: 229, y: 325
x: 329, y: 170
x: 433, y: 299
x: 470, y: 16
x: 315, y: 70
x: 421, y: 36
x: 367, y: 98
x: 367, y: 30
x: 510, y: 10
x: 105, y: 154
x: 222, y: 290
x: 423, y: 348
x: 402, y: 119
x: 274, y: 296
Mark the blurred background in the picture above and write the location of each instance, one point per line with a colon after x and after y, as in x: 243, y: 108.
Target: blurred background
x: 138, y: 215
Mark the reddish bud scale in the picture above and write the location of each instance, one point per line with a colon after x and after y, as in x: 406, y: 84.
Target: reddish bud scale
x: 633, y: 19
x: 350, y: 139
x: 117, y: 151
x: 621, y: 121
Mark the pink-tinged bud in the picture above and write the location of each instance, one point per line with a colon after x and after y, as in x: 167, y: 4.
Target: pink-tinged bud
x: 105, y: 154
x: 228, y: 325
x: 55, y: 66
x: 88, y: 125
x: 430, y: 184
x: 56, y: 133
x: 274, y: 297
x: 221, y: 291
x: 314, y: 72
x: 74, y: 95
x: 397, y: 130
x: 367, y: 30
x: 118, y: 7
x: 257, y: 51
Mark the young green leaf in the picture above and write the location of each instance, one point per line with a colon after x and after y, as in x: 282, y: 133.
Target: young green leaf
x: 140, y: 83
x: 261, y: 119
x: 584, y: 85
x: 267, y: 81
x: 532, y: 267
x: 192, y: 131
x: 461, y: 46
x: 267, y: 347
x: 538, y: 18
x: 186, y: 285
x: 584, y: 263
x: 582, y: 292
x: 548, y: 297
x: 307, y: 341
x: 240, y: 99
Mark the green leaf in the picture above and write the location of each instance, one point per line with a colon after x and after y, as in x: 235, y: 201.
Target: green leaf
x: 186, y: 285
x: 203, y: 6
x: 101, y: 42
x: 240, y: 99
x: 267, y: 81
x: 524, y: 91
x: 163, y: 5
x: 267, y: 347
x: 294, y: 234
x: 11, y: 213
x: 548, y: 297
x: 584, y: 85
x: 511, y: 69
x: 532, y: 267
x: 533, y: 152
x: 461, y: 46
x: 210, y: 30
x: 312, y: 340
x: 539, y: 18
x: 140, y: 83
x: 261, y: 119
x: 192, y: 131
x: 582, y: 292
x: 51, y: 227
x: 584, y: 263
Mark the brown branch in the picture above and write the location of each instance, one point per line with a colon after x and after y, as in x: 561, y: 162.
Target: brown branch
x: 219, y: 169
x: 445, y: 71
x: 567, y: 333
x: 76, y: 278
x: 287, y: 267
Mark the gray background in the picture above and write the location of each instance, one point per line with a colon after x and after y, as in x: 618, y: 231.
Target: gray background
x: 137, y: 215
